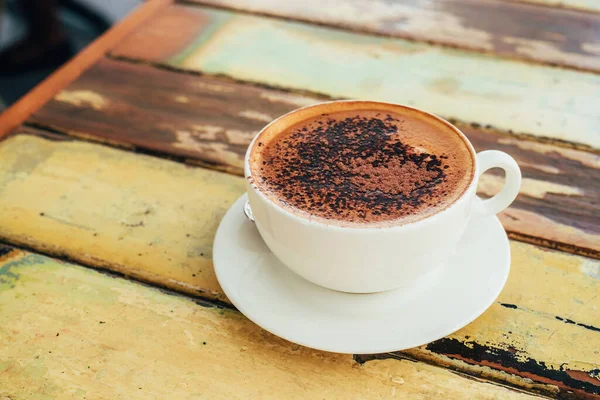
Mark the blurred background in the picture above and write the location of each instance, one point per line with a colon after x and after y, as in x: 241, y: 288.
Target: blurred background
x: 38, y: 36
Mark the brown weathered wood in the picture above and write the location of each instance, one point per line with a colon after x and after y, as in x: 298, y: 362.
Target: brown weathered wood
x: 584, y: 5
x: 155, y: 220
x: 19, y: 111
x: 553, y: 104
x: 165, y: 35
x: 543, y: 34
x: 211, y: 121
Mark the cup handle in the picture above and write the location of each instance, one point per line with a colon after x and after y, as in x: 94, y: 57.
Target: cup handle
x: 498, y: 159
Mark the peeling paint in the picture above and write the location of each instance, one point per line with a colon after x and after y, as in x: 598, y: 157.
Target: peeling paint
x: 593, y: 48
x: 181, y: 99
x: 288, y: 98
x: 501, y: 92
x: 221, y: 151
x: 187, y: 200
x: 549, y: 169
x: 206, y: 132
x: 111, y: 190
x: 543, y: 231
x: 591, y: 269
x: 588, y: 159
x: 578, y: 4
x: 235, y: 136
x: 535, y: 48
x: 79, y: 98
x: 256, y: 115
x: 514, y: 363
x: 169, y: 346
x: 213, y: 87
x: 491, y: 184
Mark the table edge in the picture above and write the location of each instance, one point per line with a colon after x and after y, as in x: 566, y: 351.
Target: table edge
x: 18, y: 112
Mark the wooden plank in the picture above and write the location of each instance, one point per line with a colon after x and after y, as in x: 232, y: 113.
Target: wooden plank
x: 211, y: 121
x: 34, y: 99
x: 69, y: 332
x: 509, y: 338
x: 509, y: 95
x: 114, y: 205
x: 541, y: 34
x: 155, y: 219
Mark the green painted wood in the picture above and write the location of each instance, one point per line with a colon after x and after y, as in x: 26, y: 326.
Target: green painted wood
x: 548, y: 35
x: 472, y: 87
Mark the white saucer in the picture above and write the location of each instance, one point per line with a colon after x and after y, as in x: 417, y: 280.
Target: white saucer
x: 283, y: 303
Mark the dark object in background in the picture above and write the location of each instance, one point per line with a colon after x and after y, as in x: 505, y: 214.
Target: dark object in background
x: 44, y: 45
x: 56, y: 30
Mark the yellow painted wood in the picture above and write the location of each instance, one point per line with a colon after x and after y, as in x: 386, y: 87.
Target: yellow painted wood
x: 543, y: 285
x: 472, y: 87
x: 67, y: 332
x: 148, y: 218
x: 133, y: 213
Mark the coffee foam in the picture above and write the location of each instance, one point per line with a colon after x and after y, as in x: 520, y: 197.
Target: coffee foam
x: 371, y: 166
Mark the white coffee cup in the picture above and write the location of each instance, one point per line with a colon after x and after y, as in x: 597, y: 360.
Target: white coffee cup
x: 372, y: 259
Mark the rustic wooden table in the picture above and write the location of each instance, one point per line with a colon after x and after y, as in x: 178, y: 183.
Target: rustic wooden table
x: 115, y: 172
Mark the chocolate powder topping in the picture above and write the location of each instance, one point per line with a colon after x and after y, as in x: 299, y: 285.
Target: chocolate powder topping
x: 355, y: 169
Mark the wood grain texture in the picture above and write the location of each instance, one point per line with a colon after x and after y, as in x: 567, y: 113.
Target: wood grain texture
x: 34, y: 99
x: 155, y: 220
x: 516, y: 30
x: 211, y: 121
x: 115, y: 200
x: 585, y: 5
x: 69, y: 332
x: 472, y: 87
